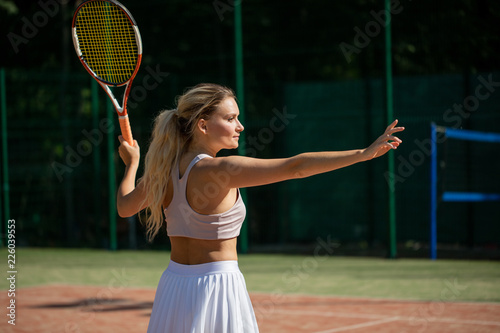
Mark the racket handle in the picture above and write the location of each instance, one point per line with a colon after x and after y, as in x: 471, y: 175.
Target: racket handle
x: 125, y: 128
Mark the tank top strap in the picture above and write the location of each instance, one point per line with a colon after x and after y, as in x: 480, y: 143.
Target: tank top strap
x: 191, y: 165
x: 175, y: 179
x: 180, y: 183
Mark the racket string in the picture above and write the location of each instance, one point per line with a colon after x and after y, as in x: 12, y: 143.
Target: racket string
x: 107, y: 40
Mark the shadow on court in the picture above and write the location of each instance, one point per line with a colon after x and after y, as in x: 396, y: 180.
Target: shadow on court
x: 92, y: 304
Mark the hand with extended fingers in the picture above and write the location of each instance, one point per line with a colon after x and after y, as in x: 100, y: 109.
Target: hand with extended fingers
x: 385, y: 142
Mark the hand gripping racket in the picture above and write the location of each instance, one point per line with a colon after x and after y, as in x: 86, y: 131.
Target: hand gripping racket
x: 108, y: 43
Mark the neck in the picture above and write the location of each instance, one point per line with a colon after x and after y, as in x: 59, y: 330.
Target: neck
x: 201, y: 149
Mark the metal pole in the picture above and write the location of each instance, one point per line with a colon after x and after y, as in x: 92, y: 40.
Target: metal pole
x: 240, y: 93
x: 111, y: 180
x: 96, y: 159
x: 5, y: 164
x: 390, y: 118
x: 433, y: 212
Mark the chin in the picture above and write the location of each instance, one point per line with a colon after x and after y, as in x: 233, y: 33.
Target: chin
x: 233, y: 145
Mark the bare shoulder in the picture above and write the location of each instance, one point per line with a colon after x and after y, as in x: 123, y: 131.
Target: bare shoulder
x: 229, y: 164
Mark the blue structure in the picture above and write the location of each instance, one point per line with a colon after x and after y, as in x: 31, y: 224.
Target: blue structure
x: 453, y: 196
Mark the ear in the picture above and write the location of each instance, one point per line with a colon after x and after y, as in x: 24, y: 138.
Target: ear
x: 202, y: 126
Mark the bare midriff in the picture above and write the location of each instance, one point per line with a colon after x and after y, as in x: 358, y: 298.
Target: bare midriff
x: 190, y: 251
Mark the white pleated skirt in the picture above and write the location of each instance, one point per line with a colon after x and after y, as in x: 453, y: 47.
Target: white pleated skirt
x: 205, y: 298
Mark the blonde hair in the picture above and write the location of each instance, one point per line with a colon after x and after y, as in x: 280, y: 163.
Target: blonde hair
x: 173, y: 132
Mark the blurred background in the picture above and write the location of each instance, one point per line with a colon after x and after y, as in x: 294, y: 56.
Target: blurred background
x: 314, y: 79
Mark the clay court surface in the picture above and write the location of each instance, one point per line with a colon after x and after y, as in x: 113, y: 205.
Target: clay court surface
x: 74, y: 309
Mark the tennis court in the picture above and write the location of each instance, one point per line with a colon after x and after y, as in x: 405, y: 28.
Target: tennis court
x: 59, y: 308
x: 101, y: 291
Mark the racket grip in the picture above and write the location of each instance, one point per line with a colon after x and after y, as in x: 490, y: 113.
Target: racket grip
x: 125, y: 128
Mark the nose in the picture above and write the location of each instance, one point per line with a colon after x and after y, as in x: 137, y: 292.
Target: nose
x: 239, y: 127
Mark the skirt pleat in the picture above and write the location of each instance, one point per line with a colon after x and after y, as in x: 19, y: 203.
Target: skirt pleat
x: 206, y: 298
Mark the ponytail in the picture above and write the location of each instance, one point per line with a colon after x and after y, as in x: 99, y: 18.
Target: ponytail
x: 164, y: 151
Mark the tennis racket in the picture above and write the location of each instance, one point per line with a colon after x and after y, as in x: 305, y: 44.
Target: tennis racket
x: 108, y: 43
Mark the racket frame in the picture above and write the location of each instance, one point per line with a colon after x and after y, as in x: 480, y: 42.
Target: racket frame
x: 121, y: 110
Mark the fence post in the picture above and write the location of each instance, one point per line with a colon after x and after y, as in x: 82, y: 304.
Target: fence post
x: 240, y: 93
x: 111, y: 180
x: 433, y: 203
x: 390, y: 116
x: 5, y: 162
x: 96, y: 158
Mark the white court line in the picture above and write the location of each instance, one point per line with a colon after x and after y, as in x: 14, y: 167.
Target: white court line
x: 392, y: 318
x: 335, y: 314
x: 470, y: 322
x: 371, y: 323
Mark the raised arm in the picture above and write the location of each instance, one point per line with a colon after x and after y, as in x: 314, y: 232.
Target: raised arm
x: 240, y: 172
x: 129, y: 198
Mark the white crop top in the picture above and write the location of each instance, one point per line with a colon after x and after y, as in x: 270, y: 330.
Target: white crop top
x: 182, y: 220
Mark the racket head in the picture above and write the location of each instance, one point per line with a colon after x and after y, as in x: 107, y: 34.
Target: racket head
x: 107, y: 41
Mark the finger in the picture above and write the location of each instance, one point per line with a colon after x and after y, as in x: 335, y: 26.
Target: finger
x: 394, y: 138
x: 124, y: 142
x: 120, y: 138
x: 392, y: 145
x: 392, y: 125
x: 394, y: 130
x: 388, y: 137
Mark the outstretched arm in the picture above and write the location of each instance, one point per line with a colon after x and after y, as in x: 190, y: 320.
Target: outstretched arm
x: 316, y: 163
x: 239, y: 171
x: 129, y: 198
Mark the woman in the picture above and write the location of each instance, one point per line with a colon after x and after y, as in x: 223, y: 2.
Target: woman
x: 202, y: 289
